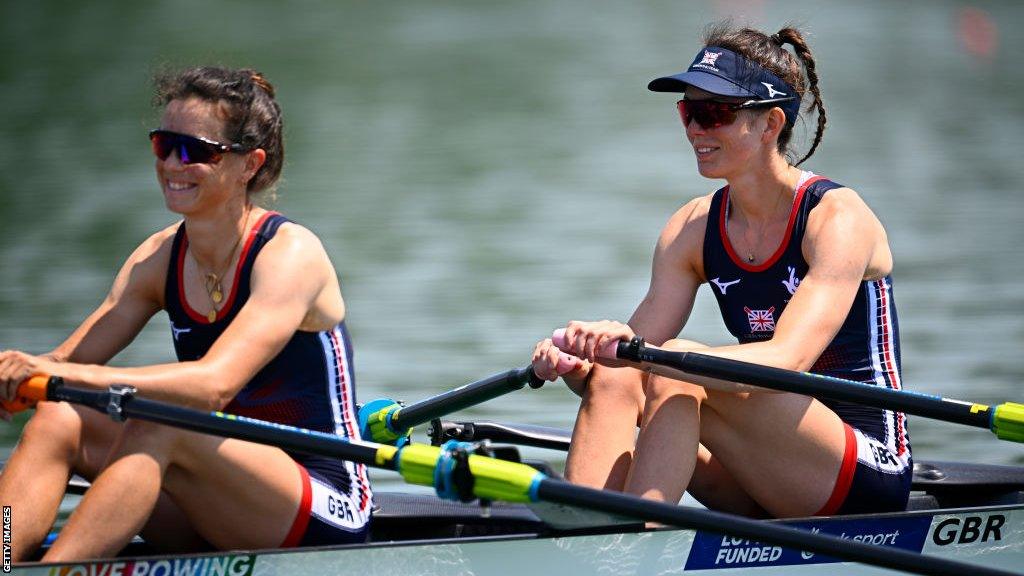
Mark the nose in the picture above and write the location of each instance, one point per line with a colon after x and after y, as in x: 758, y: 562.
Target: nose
x: 694, y: 129
x: 173, y: 160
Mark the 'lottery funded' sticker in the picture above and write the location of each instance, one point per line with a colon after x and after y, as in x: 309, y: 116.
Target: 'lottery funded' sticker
x: 711, y: 551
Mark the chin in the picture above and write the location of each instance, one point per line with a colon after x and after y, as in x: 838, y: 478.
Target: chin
x: 710, y: 171
x: 178, y: 205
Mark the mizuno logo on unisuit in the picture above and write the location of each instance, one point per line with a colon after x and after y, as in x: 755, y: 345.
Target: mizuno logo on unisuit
x: 772, y: 92
x: 178, y: 331
x: 723, y: 286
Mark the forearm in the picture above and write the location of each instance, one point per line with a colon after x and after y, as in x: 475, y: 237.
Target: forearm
x: 193, y: 384
x: 766, y: 353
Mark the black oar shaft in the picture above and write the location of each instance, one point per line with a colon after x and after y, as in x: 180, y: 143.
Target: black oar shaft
x: 463, y: 397
x: 218, y: 424
x: 812, y: 385
x: 695, y: 518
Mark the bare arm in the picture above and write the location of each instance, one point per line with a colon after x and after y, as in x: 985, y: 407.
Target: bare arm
x: 844, y: 245
x: 135, y: 296
x: 676, y: 273
x: 289, y: 276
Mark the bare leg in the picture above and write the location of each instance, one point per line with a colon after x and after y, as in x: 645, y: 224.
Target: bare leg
x: 120, y: 501
x: 666, y: 448
x: 713, y: 486
x: 783, y: 450
x: 57, y: 440
x: 236, y: 494
x: 168, y: 529
x: 601, y: 451
x: 787, y: 462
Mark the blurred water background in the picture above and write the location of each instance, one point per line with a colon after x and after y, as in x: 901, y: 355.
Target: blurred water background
x: 482, y: 172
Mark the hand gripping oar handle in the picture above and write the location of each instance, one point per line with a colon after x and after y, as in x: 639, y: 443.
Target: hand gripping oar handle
x: 30, y: 392
x: 608, y: 350
x: 1005, y: 420
x: 385, y: 420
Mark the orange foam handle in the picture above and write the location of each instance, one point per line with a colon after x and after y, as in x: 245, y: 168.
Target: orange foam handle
x: 30, y: 392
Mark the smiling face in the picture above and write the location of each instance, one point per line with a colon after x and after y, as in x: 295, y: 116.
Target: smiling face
x: 193, y: 188
x: 725, y: 151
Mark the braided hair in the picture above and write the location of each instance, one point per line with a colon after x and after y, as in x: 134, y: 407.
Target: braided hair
x: 769, y: 52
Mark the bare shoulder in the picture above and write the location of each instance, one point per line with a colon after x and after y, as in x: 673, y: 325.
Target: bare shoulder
x: 151, y: 258
x: 292, y: 237
x: 843, y: 220
x: 294, y: 247
x: 682, y: 239
x: 294, y: 267
x: 158, y: 244
x: 687, y: 223
x: 842, y: 202
x: 144, y: 273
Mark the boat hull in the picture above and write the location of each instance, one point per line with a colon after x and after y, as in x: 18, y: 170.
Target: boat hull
x: 991, y: 536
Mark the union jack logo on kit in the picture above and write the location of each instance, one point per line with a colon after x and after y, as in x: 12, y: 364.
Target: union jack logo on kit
x: 761, y: 320
x: 710, y: 58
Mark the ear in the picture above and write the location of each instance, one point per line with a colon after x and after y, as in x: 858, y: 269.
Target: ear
x: 253, y: 162
x: 776, y: 121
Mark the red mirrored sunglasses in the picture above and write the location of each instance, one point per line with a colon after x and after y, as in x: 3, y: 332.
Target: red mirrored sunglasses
x: 713, y: 113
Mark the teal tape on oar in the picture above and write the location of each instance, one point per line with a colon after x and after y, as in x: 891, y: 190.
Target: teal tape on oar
x: 1008, y: 421
x: 452, y: 478
x: 375, y: 422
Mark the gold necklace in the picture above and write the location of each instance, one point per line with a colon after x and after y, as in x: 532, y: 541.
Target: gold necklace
x: 214, y: 287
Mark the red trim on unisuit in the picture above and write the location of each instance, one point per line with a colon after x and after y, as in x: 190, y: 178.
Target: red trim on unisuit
x: 298, y: 529
x: 797, y: 200
x: 845, y: 478
x: 192, y: 313
x: 341, y: 369
x: 889, y: 371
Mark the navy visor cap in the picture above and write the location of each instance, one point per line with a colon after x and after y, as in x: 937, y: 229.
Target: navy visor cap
x: 726, y: 73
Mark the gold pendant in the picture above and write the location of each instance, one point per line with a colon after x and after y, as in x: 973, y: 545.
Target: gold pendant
x: 216, y: 296
x: 211, y: 316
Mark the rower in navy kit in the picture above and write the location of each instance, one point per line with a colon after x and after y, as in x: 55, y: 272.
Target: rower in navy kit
x: 752, y: 296
x: 310, y: 384
x: 800, y: 268
x: 258, y: 325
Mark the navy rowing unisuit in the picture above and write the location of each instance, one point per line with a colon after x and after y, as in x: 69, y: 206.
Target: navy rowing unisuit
x: 309, y: 384
x: 876, y: 471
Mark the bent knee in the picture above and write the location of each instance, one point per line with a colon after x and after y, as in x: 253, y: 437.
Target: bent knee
x: 56, y: 425
x: 142, y: 431
x: 618, y: 385
x: 679, y: 344
x: 662, y: 387
x: 173, y: 443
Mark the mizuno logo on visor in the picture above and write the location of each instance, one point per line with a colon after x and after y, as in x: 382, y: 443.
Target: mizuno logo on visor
x: 772, y: 92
